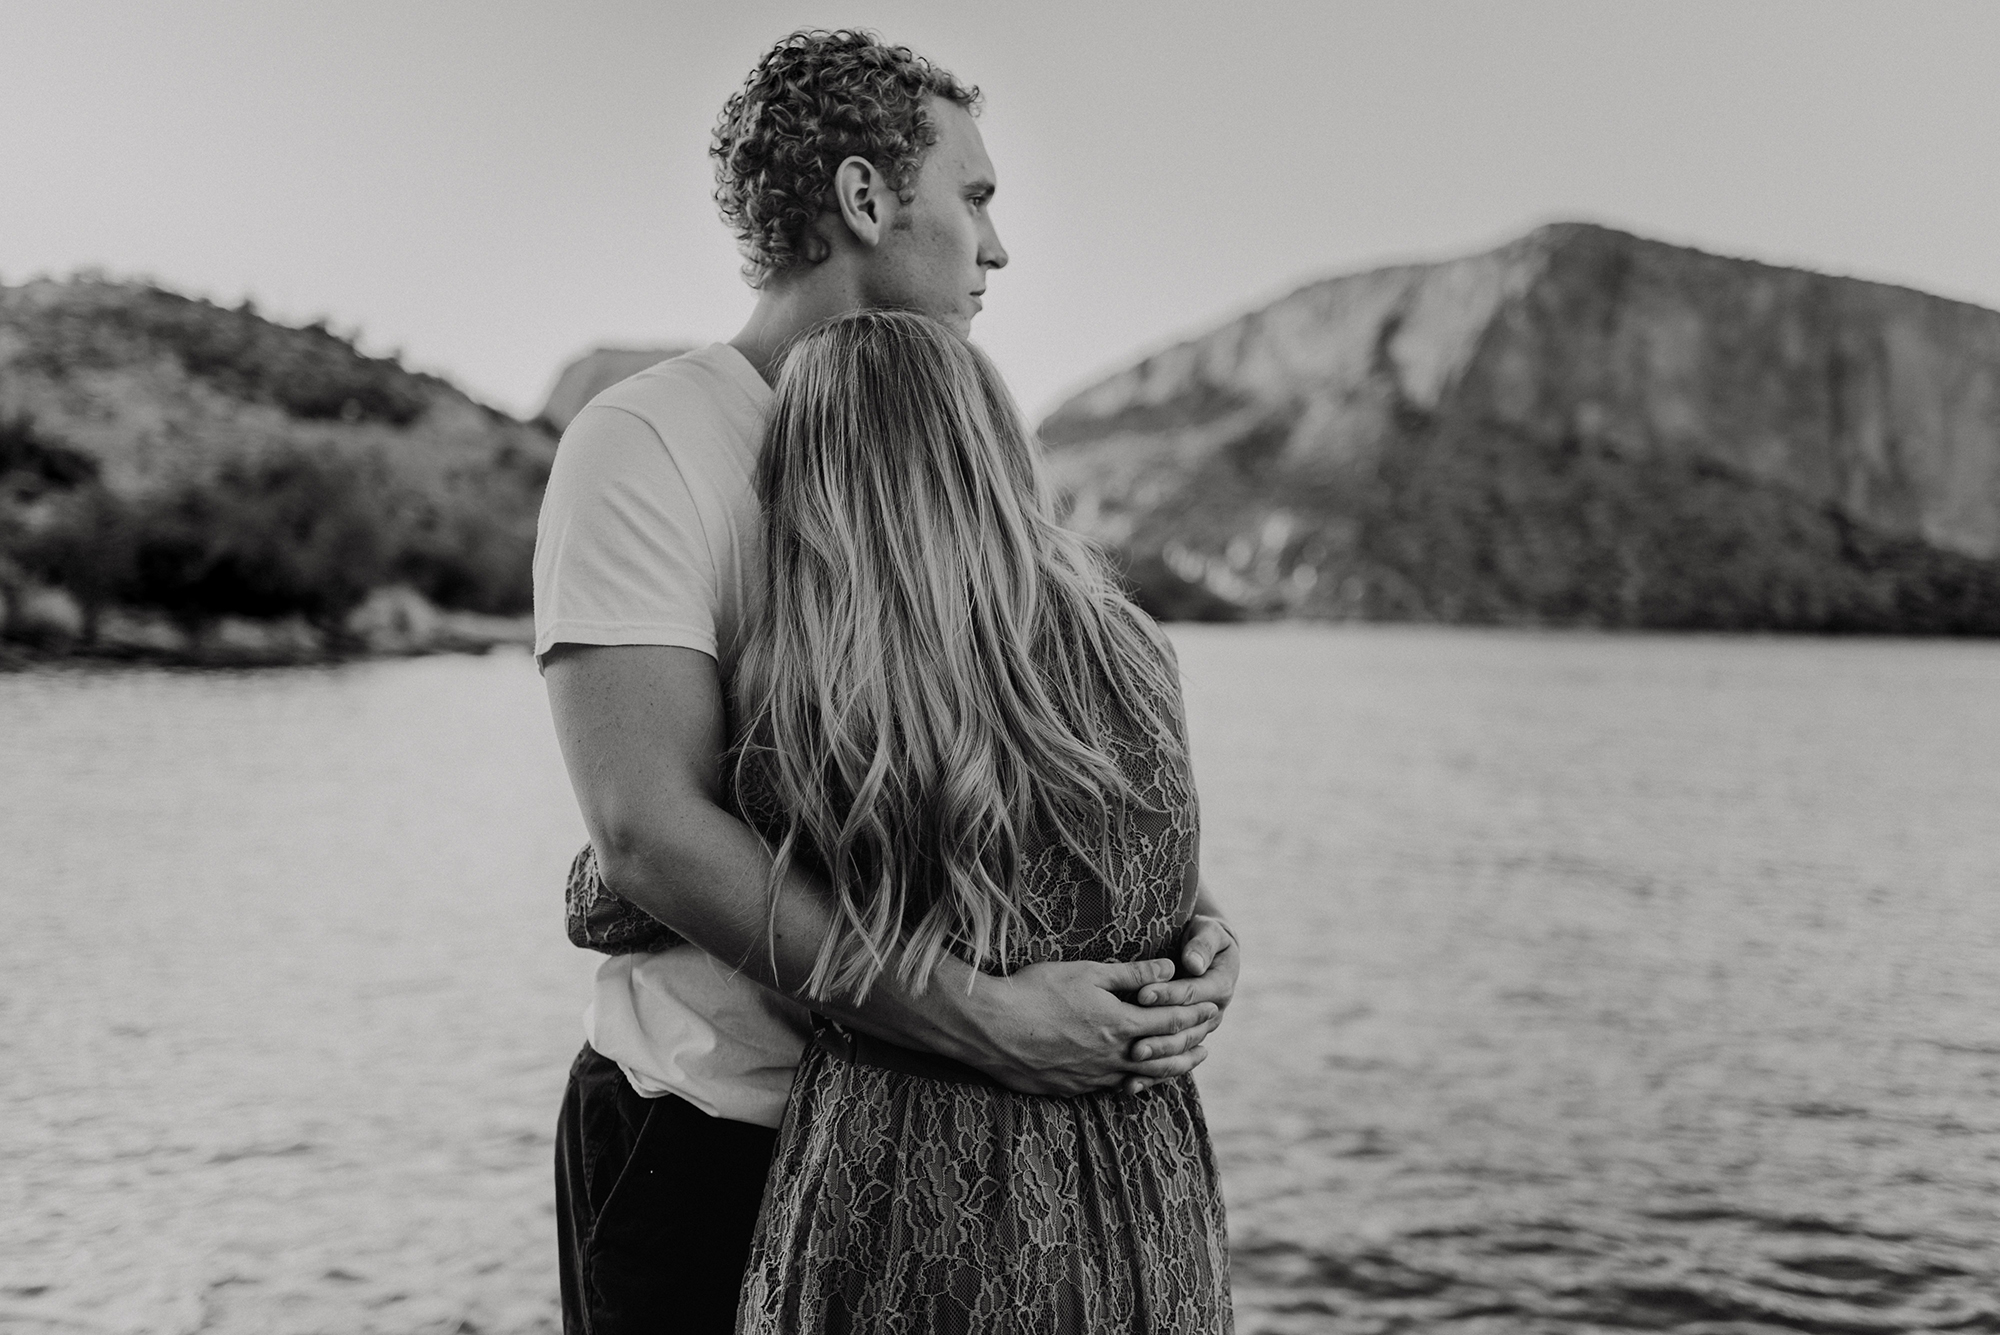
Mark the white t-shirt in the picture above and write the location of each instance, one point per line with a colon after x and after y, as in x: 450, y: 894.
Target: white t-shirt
x: 650, y: 534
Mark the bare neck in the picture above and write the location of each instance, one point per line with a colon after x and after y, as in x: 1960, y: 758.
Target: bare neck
x: 787, y: 307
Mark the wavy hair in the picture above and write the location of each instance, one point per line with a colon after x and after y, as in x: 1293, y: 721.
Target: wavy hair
x: 933, y: 689
x: 814, y: 100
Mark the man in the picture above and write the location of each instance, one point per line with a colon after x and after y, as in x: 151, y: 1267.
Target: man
x: 854, y: 176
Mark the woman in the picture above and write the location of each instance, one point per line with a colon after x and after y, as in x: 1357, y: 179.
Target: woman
x: 952, y: 717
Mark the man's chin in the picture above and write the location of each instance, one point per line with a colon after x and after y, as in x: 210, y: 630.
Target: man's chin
x: 958, y: 321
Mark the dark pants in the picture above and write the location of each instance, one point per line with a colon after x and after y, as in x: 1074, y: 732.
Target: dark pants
x: 655, y: 1205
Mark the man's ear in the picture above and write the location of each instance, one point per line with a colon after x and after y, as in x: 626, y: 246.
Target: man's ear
x: 864, y: 200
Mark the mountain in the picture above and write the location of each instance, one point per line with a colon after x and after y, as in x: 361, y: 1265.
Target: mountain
x: 593, y: 373
x: 1580, y: 427
x: 162, y: 453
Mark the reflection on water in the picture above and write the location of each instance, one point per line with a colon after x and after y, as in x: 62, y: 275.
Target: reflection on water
x: 1596, y: 982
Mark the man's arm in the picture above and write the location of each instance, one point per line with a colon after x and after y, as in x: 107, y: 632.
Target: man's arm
x: 642, y: 734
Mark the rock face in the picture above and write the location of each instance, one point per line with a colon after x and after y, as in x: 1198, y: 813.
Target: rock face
x: 593, y: 373
x: 1582, y: 426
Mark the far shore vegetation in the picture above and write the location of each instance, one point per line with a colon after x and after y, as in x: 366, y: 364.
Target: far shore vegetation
x: 285, y: 534
x: 308, y: 479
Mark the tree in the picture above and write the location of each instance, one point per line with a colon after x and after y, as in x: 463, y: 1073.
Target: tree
x: 85, y: 546
x: 280, y: 534
x: 37, y: 474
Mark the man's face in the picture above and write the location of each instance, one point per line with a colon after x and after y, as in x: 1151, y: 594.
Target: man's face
x: 935, y: 255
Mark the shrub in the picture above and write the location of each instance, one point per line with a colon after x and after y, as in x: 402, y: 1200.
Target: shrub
x: 287, y: 533
x: 466, y: 558
x: 32, y: 462
x: 85, y: 545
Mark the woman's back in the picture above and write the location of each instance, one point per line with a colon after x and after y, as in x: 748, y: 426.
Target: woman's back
x: 908, y: 1197
x: 1137, y: 909
x: 1068, y: 911
x: 955, y: 721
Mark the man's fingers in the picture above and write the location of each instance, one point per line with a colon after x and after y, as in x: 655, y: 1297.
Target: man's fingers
x: 1209, y: 968
x: 1172, y: 1045
x: 1206, y: 939
x: 1186, y: 991
x: 1166, y: 1068
x: 1151, y: 1021
x: 1133, y: 976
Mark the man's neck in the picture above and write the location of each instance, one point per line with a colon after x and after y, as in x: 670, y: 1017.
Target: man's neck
x: 789, y: 308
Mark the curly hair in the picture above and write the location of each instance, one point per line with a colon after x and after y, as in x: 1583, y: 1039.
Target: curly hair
x: 814, y: 100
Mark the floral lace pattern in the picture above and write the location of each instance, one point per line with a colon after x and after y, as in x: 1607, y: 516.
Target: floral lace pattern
x: 901, y: 1205
x: 599, y: 919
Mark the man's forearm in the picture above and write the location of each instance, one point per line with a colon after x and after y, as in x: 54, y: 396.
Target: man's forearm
x: 710, y: 882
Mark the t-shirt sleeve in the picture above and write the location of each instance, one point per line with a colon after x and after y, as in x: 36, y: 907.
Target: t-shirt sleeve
x: 621, y: 556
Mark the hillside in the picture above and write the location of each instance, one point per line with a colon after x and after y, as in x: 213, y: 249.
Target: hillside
x: 1580, y: 427
x: 163, y: 453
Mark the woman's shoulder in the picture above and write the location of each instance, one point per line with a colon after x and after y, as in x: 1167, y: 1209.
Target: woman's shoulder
x: 1161, y: 646
x: 1154, y: 717
x: 1157, y: 635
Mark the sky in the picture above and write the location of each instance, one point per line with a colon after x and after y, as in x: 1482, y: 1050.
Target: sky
x: 491, y: 187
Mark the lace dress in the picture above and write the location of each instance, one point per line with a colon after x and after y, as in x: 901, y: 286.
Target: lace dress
x: 905, y: 1205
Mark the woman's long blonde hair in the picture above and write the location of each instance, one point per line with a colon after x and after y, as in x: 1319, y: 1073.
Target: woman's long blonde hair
x: 940, y: 667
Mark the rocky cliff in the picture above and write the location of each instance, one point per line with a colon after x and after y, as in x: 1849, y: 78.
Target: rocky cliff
x: 593, y: 373
x: 1582, y: 426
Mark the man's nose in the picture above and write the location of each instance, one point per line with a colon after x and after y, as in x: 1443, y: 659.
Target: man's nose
x: 992, y: 255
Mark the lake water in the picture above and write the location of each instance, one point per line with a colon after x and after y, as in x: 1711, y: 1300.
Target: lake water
x: 1595, y: 983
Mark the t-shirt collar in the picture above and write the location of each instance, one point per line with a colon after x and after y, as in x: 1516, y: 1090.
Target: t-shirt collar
x: 745, y: 374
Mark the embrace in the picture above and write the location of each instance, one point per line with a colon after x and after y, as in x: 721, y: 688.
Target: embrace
x: 899, y: 779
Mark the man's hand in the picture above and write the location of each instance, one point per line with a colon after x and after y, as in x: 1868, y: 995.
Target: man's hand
x: 1066, y: 1028
x: 1208, y: 964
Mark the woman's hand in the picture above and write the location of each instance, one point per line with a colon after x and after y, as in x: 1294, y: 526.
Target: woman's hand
x: 1208, y: 963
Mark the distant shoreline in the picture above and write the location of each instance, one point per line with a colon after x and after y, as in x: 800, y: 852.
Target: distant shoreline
x: 467, y: 633
x: 453, y: 633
